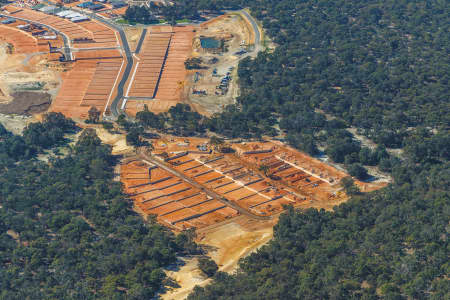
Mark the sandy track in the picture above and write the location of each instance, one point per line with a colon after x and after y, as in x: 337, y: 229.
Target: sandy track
x: 228, y: 243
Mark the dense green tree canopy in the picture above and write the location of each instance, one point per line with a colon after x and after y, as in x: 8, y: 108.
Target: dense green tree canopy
x: 381, y: 66
x: 68, y: 232
x: 392, y: 244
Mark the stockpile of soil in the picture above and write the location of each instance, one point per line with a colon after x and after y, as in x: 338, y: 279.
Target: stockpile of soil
x: 27, y: 103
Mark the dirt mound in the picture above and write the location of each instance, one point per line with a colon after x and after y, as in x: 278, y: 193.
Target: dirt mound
x: 27, y: 103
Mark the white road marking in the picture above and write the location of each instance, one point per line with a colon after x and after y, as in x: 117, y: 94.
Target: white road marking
x: 132, y: 79
x: 114, y: 86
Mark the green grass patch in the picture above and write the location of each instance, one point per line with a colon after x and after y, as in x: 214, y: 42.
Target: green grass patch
x: 125, y: 22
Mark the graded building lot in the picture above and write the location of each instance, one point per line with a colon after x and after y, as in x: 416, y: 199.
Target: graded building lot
x: 293, y: 178
x: 176, y: 203
x: 87, y: 34
x: 109, y: 13
x: 151, y: 61
x: 207, y: 90
x: 21, y: 41
x: 29, y: 39
x: 72, y: 30
x: 225, y: 175
x: 93, y: 74
x: 88, y: 84
x: 160, y: 74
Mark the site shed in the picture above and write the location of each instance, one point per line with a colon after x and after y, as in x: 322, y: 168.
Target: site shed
x: 79, y: 19
x: 48, y: 9
x: 64, y: 13
x: 8, y: 21
x: 38, y: 6
x: 72, y: 15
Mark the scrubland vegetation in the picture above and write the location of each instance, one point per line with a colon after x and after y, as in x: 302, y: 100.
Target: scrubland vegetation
x: 67, y: 230
x: 380, y: 66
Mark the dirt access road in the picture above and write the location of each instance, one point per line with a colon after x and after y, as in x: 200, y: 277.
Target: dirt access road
x: 227, y: 243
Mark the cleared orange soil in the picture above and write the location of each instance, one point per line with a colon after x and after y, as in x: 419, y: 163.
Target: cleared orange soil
x: 93, y: 73
x: 291, y: 177
x: 176, y: 203
x: 162, y: 80
x: 23, y: 40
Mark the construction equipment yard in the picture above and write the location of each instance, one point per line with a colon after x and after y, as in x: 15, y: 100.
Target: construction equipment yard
x: 215, y: 86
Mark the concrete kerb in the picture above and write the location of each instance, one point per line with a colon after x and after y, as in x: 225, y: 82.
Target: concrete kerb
x: 65, y: 37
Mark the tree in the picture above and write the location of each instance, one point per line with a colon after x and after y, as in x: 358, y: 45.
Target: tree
x: 50, y: 132
x: 148, y: 119
x: 265, y: 169
x: 3, y: 131
x: 358, y: 171
x: 216, y: 142
x: 93, y: 115
x: 149, y: 148
x: 349, y: 186
x: 208, y: 266
x: 77, y: 235
x: 133, y: 138
x: 107, y: 125
x: 193, y: 63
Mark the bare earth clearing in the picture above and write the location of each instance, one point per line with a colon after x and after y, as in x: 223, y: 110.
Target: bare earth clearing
x: 14, y: 123
x: 133, y: 34
x: 228, y: 199
x: 237, y: 35
x: 228, y: 243
x: 27, y: 83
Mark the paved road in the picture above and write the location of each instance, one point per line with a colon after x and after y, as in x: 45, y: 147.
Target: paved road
x: 126, y: 49
x: 254, y: 25
x: 128, y: 68
x: 120, y: 87
x: 141, y: 40
x: 203, y: 188
x: 67, y: 49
